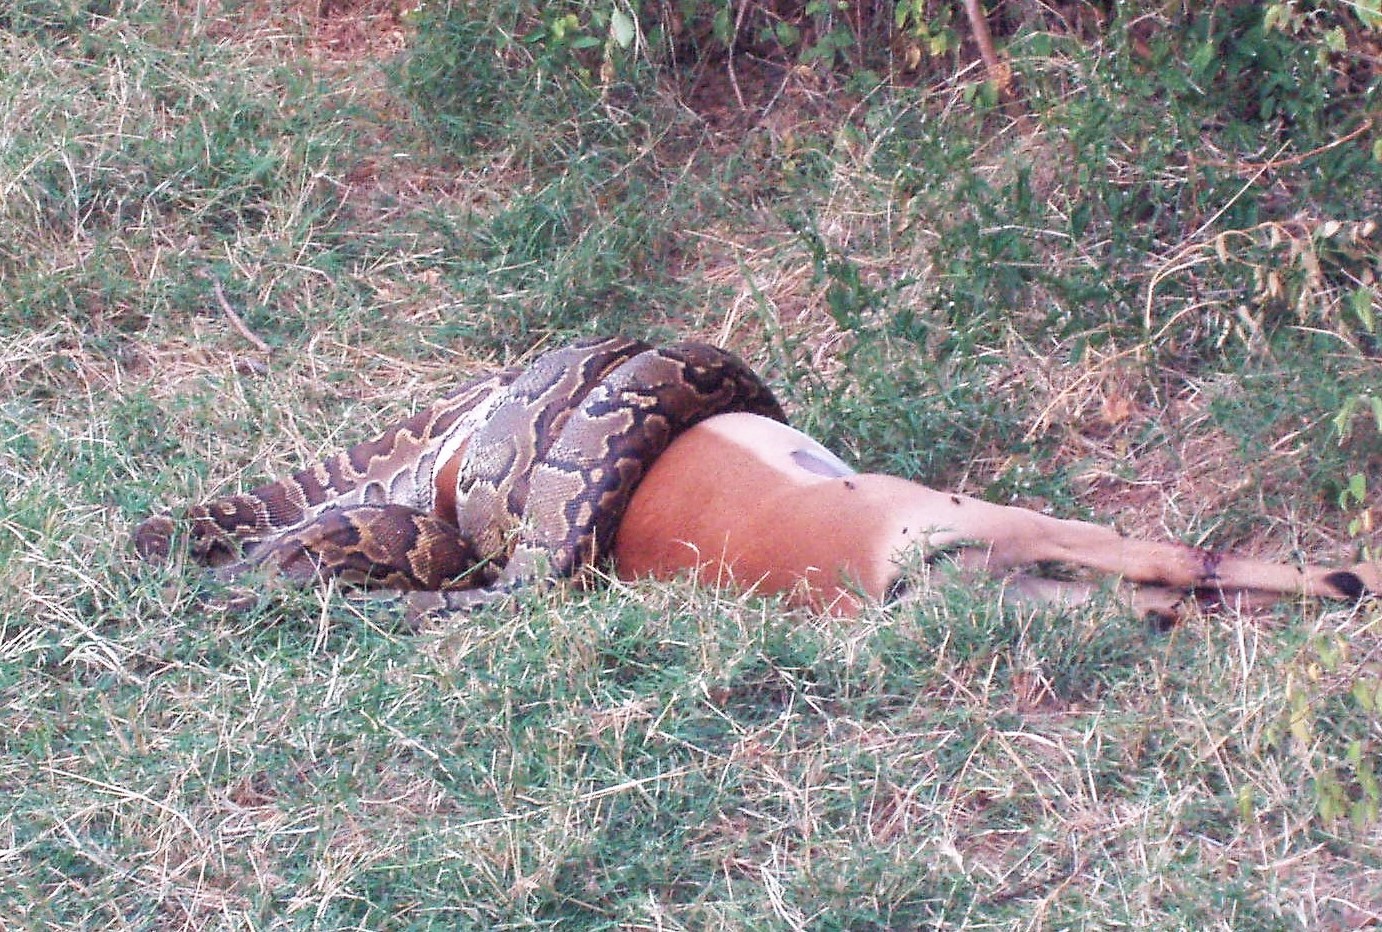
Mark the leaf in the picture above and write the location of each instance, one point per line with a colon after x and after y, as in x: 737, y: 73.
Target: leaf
x: 1274, y: 16
x: 901, y: 12
x: 1369, y: 12
x: 1362, y: 306
x: 1080, y: 217
x: 621, y: 28
x: 722, y: 26
x: 1343, y: 421
x: 1300, y: 718
x: 1368, y: 694
x: 1245, y: 803
x: 1331, y: 798
x: 1201, y: 60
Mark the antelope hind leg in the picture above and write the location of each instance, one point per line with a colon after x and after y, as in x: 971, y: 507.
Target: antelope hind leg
x: 1012, y: 537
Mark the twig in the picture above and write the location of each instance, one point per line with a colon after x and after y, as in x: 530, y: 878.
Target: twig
x: 729, y: 60
x: 999, y: 73
x: 236, y: 320
x: 979, y: 25
x: 1176, y: 263
x: 1274, y: 163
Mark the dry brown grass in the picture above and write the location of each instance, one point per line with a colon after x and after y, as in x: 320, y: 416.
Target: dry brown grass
x: 652, y: 755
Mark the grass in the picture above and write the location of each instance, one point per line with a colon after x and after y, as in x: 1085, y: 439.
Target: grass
x: 1108, y: 308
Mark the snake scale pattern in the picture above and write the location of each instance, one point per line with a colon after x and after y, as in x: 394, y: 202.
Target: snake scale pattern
x: 516, y: 479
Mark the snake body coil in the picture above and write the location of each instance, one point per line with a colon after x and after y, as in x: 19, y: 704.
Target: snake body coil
x: 515, y: 479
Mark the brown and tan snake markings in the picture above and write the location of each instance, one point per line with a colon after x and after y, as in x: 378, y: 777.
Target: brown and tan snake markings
x: 515, y: 479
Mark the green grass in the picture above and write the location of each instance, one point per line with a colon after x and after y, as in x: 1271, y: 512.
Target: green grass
x: 1109, y: 310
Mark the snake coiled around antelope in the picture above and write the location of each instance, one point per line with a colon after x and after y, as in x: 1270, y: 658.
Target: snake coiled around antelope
x: 529, y: 475
x: 515, y: 479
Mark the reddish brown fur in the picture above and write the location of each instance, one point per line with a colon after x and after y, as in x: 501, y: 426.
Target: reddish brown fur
x: 731, y: 500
